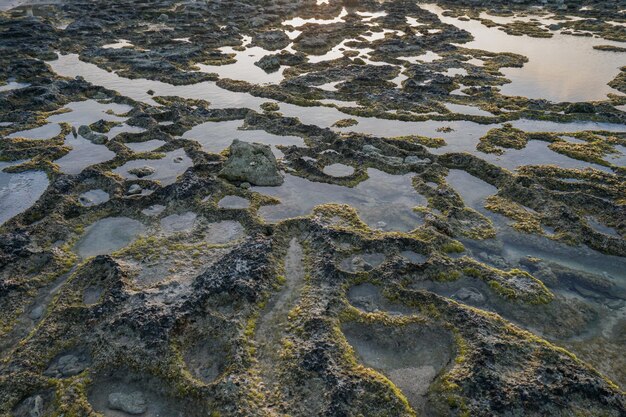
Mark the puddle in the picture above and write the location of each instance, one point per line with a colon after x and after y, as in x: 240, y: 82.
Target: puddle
x: 147, y: 146
x: 80, y: 113
x: 46, y: 131
x: 124, y: 394
x: 93, y: 198
x: 244, y: 68
x: 225, y: 231
x: 92, y: 295
x: 83, y: 154
x: 121, y: 43
x: 154, y: 210
x: 177, y: 223
x: 70, y: 66
x: 19, y: 192
x: 173, y: 269
x: 383, y: 201
x: 411, y: 356
x: 464, y: 109
x: 217, y: 136
x: 233, y: 202
x: 561, y: 68
x: 206, y: 359
x: 107, y: 236
x: 90, y: 111
x: 338, y: 170
x: 166, y: 169
x: 472, y: 190
x: 298, y: 21
x: 369, y: 298
x: 414, y: 257
x: 599, y: 227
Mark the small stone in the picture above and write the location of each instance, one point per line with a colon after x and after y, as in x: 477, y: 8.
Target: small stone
x: 87, y: 133
x: 141, y: 172
x: 135, y: 189
x: 245, y: 185
x: 70, y: 365
x: 178, y: 159
x: 415, y: 160
x: 133, y: 403
x: 150, y: 92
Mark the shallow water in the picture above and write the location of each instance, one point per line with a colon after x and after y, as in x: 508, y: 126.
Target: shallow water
x: 176, y: 223
x: 167, y: 169
x: 233, y: 202
x: 20, y: 191
x: 561, y: 68
x: 411, y: 356
x: 108, y: 235
x: 338, y: 170
x: 137, y: 89
x: 217, y: 136
x: 147, y: 146
x: 83, y: 154
x: 472, y: 190
x: 384, y: 201
x: 93, y: 198
x: 463, y: 138
x: 244, y: 69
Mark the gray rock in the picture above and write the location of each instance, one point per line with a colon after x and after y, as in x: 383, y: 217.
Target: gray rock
x: 252, y: 162
x: 37, y: 409
x: 66, y: 366
x: 133, y: 403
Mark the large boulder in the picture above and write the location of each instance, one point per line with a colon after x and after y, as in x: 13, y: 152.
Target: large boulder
x: 252, y: 162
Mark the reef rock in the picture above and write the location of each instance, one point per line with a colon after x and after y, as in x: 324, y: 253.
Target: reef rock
x: 253, y: 163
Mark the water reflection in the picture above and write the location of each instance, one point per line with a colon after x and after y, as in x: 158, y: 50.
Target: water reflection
x: 383, y: 201
x: 561, y: 68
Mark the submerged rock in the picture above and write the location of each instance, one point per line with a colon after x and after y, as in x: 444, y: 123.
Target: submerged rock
x: 253, y: 163
x: 133, y: 403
